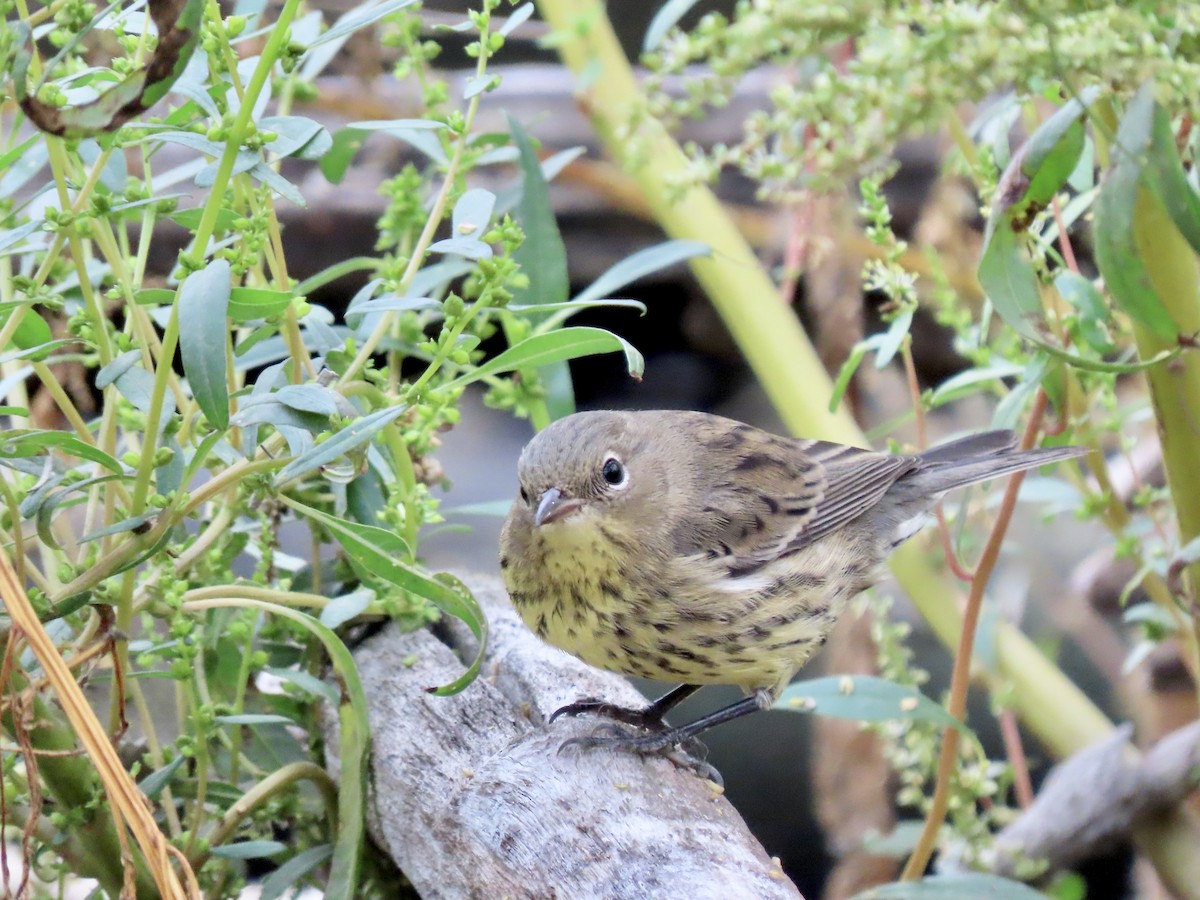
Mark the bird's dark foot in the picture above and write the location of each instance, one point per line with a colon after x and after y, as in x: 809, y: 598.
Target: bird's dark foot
x: 648, y: 718
x: 684, y: 751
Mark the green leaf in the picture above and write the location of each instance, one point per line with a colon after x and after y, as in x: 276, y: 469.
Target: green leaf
x: 16, y: 444
x: 247, y: 304
x: 664, y: 20
x: 342, y: 609
x: 894, y: 336
x: 1007, y: 277
x: 1164, y: 175
x: 254, y: 719
x: 249, y: 849
x: 297, y: 136
x: 857, y: 353
x: 348, y: 439
x: 203, y: 332
x: 359, y: 17
x: 639, y: 265
x: 353, y: 751
x: 473, y: 213
x: 31, y: 332
x: 863, y: 698
x: 1117, y: 253
x: 953, y: 887
x: 1042, y: 165
x: 516, y: 19
x: 543, y: 258
x: 467, y: 247
x: 969, y: 381
x: 131, y: 524
x: 566, y: 343
x: 293, y: 870
x: 307, y: 682
x: 153, y: 783
x: 346, y: 144
x: 382, y: 553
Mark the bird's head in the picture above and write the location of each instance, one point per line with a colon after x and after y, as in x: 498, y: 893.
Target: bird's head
x: 593, y: 464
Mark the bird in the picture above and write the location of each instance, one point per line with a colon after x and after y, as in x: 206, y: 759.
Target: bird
x: 687, y: 547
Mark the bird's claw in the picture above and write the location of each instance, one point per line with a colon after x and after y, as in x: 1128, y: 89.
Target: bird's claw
x: 641, y: 718
x: 684, y: 752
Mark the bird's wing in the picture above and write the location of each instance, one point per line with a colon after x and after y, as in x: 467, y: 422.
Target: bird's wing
x: 855, y: 481
x: 779, y: 495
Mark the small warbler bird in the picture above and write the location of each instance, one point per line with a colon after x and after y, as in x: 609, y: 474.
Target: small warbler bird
x: 686, y: 547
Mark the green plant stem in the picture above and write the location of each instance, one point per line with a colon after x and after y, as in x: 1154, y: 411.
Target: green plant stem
x: 232, y: 592
x: 1175, y: 386
x: 436, y: 212
x: 780, y: 354
x: 278, y: 781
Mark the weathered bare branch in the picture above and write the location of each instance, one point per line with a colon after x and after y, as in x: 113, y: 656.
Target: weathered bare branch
x: 1102, y: 795
x: 472, y: 798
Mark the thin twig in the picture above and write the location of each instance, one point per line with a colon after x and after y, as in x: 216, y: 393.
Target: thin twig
x: 960, y: 680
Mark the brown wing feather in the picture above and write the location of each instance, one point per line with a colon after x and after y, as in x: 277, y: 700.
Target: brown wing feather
x: 855, y: 481
x: 780, y: 495
x: 756, y: 503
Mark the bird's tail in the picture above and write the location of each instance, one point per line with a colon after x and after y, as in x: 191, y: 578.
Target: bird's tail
x: 980, y: 457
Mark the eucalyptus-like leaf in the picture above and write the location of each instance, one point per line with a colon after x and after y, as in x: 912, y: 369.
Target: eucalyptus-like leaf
x: 297, y: 136
x: 342, y: 609
x: 863, y: 698
x: 203, y: 338
x: 473, y: 213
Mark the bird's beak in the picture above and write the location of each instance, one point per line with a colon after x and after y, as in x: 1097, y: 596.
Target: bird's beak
x: 552, y: 506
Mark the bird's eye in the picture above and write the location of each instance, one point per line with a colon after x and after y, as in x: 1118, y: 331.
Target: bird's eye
x: 614, y: 473
x: 524, y: 495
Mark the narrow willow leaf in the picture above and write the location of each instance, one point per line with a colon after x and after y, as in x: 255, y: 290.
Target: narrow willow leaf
x: 248, y: 849
x: 288, y: 874
x: 543, y: 258
x: 203, y: 333
x: 639, y: 265
x: 664, y: 20
x: 863, y: 698
x: 153, y: 783
x: 566, y: 343
x: 254, y: 719
x: 348, y: 439
x: 375, y: 550
x: 36, y: 443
